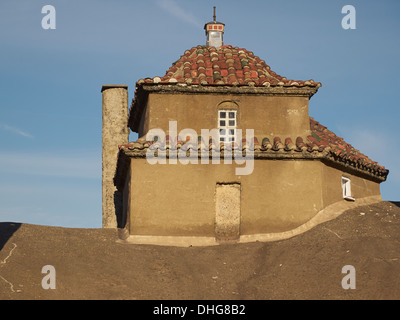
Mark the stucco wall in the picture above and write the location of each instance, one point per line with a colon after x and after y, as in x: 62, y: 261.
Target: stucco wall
x: 280, y: 195
x: 267, y: 115
x: 180, y: 199
x: 332, y: 191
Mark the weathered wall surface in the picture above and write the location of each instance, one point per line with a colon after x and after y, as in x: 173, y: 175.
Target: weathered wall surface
x: 114, y: 133
x: 227, y: 211
x: 360, y: 187
x: 281, y: 195
x: 181, y: 200
x: 267, y: 115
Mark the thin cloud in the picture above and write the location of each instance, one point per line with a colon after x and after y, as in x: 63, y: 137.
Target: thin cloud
x: 16, y: 131
x: 174, y: 9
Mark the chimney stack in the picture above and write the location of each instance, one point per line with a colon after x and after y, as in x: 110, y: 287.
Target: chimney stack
x: 114, y: 132
x: 215, y: 32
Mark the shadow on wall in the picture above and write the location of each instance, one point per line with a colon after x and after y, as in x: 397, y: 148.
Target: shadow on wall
x: 118, y: 205
x: 7, y: 229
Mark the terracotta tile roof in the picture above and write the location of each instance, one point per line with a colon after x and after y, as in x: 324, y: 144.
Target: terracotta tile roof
x: 322, y: 144
x: 343, y: 151
x: 207, y: 69
x: 228, y: 66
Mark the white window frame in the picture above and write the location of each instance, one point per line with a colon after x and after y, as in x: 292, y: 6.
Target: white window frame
x: 227, y: 129
x: 346, y: 189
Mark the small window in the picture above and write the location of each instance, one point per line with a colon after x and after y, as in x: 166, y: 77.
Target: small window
x: 227, y: 128
x: 346, y: 188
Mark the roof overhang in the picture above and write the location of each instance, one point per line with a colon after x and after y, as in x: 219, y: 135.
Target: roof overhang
x: 276, y: 150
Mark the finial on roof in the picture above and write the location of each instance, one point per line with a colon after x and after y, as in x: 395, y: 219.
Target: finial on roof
x: 215, y: 17
x: 215, y: 32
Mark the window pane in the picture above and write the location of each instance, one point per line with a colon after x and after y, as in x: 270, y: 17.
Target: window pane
x: 231, y: 139
x: 232, y: 123
x: 222, y: 123
x: 215, y: 35
x: 232, y: 132
x: 231, y: 115
x: 222, y: 139
x: 222, y: 114
x: 222, y: 132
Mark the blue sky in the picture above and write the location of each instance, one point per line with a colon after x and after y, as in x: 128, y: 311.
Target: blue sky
x: 50, y: 82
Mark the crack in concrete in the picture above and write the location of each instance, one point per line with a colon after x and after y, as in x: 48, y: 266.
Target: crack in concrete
x: 334, y: 233
x: 9, y: 255
x: 11, y: 285
x: 3, y: 262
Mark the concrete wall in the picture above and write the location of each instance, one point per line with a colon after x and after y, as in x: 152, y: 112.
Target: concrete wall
x: 227, y: 211
x: 360, y: 187
x: 280, y: 195
x: 267, y: 115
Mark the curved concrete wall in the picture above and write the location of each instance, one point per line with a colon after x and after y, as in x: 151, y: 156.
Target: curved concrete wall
x: 279, y: 196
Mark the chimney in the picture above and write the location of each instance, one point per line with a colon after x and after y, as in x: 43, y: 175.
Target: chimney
x: 114, y: 132
x: 215, y: 32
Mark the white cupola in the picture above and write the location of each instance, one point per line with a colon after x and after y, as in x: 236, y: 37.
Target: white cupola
x: 215, y: 32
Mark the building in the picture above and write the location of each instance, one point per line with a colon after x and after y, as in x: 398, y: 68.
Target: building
x: 227, y: 151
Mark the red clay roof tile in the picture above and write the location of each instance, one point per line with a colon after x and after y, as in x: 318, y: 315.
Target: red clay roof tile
x: 224, y: 59
x: 320, y: 141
